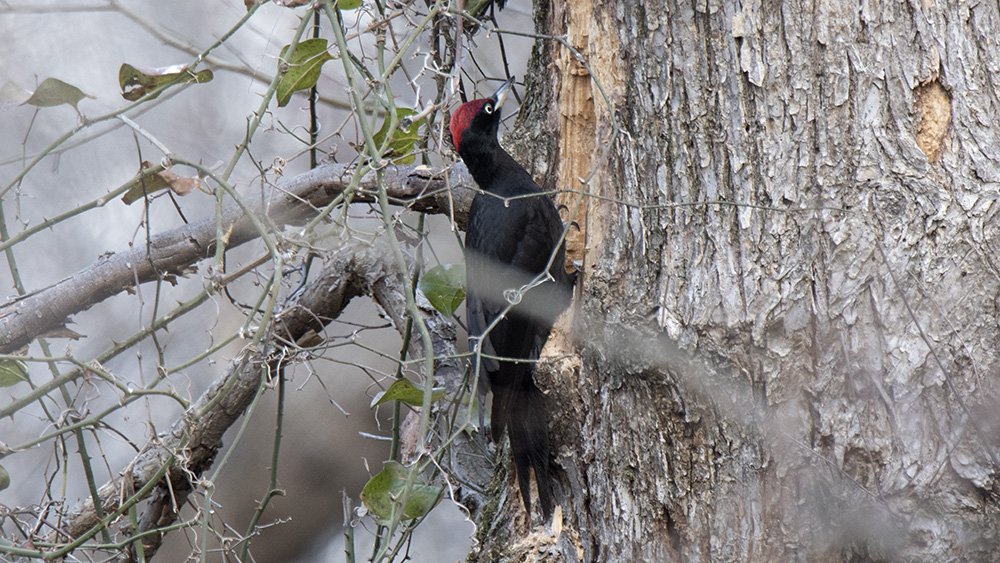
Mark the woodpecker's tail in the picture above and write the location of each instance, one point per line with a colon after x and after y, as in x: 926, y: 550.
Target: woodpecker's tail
x: 521, y: 410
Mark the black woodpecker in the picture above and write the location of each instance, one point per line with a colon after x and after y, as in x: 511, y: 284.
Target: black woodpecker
x: 512, y: 239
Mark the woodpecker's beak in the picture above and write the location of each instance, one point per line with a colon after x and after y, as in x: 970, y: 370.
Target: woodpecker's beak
x: 499, y: 95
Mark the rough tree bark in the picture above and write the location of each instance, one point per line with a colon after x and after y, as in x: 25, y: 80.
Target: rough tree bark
x: 836, y: 301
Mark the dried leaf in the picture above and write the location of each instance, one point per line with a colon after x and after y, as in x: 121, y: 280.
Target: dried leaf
x: 180, y: 185
x: 166, y: 180
x: 137, y: 82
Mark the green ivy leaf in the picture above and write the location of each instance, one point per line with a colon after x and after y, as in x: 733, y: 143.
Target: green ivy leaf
x: 4, y: 478
x: 383, y: 491
x: 12, y: 372
x: 137, y: 82
x: 403, y: 390
x: 403, y: 139
x: 53, y: 92
x: 444, y: 287
x: 303, y: 68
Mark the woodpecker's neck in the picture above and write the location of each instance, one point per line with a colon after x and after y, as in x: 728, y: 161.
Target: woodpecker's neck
x: 495, y: 171
x: 482, y: 161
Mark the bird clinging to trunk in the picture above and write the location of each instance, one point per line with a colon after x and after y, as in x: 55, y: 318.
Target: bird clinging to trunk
x: 516, y: 286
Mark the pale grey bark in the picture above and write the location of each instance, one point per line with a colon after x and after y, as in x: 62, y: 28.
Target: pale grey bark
x: 839, y: 300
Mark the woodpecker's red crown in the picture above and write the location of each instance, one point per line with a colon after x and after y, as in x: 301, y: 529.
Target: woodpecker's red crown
x: 462, y: 118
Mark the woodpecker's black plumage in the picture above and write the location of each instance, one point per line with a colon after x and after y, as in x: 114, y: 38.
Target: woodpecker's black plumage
x: 512, y: 236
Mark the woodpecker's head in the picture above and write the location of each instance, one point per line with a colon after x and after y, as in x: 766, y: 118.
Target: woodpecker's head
x: 476, y: 122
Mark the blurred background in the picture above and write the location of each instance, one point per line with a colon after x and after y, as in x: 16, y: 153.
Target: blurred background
x: 327, y: 449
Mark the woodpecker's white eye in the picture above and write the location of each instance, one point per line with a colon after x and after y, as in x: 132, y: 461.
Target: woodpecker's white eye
x: 488, y: 108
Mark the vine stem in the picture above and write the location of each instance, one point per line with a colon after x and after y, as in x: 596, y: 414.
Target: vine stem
x: 375, y: 153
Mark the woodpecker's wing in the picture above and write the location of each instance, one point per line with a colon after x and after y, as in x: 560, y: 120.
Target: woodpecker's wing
x: 507, y: 244
x: 476, y: 322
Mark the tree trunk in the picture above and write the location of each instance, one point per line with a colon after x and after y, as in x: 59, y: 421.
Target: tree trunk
x: 786, y: 344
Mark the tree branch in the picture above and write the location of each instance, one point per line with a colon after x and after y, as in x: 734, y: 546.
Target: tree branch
x: 191, y: 444
x: 174, y: 252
